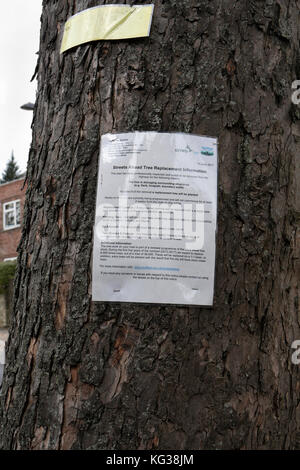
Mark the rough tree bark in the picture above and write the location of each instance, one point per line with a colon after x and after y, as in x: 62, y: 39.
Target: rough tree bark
x: 85, y: 375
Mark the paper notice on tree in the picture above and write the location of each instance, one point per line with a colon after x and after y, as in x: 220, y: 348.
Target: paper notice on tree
x: 107, y: 22
x: 156, y: 216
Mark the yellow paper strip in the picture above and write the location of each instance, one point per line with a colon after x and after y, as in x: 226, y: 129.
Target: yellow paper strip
x: 107, y: 22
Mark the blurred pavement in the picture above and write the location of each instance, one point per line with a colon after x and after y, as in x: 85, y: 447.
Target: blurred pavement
x: 3, y: 339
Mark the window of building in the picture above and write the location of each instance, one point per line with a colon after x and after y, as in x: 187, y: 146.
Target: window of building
x: 11, y: 215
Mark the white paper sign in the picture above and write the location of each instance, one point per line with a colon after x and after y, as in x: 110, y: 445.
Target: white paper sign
x: 156, y: 214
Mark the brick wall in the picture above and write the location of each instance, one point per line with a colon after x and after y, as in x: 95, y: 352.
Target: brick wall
x: 9, y: 239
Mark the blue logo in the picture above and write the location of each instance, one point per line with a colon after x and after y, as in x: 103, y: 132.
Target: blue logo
x: 207, y: 151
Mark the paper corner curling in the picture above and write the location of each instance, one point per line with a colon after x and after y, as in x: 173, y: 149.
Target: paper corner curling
x: 107, y: 22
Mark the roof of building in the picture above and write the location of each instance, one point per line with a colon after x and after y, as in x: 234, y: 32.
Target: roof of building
x: 13, y: 181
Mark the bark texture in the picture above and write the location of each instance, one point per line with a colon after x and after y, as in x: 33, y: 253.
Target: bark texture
x: 84, y: 375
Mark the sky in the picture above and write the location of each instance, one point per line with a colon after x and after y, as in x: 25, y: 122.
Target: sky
x: 19, y: 42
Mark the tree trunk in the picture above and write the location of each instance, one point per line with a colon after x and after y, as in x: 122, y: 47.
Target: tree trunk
x: 85, y: 375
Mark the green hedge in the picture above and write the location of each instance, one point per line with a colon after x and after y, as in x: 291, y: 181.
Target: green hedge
x: 7, y: 273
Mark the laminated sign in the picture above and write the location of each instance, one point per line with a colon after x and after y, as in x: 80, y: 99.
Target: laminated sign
x: 107, y: 22
x: 155, y: 226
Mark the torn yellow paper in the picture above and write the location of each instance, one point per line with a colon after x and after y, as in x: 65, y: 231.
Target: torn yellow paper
x: 107, y: 22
